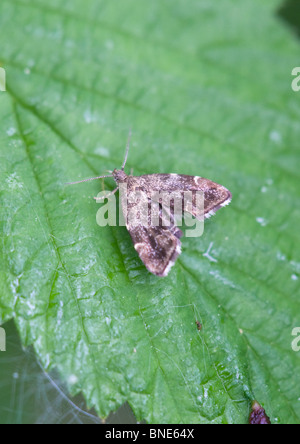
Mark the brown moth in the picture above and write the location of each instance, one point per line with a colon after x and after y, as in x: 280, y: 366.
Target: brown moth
x: 159, y: 245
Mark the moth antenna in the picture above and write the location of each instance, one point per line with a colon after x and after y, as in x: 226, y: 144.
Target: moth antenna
x: 88, y: 180
x: 127, y: 150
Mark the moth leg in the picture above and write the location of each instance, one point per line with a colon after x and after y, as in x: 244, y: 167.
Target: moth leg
x: 98, y: 199
x: 131, y: 172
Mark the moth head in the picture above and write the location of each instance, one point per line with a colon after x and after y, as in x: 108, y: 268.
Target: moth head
x: 119, y: 175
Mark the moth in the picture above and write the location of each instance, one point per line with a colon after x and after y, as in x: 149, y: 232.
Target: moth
x: 158, y: 245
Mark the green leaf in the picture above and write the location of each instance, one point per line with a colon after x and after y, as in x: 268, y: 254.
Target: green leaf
x: 207, y: 91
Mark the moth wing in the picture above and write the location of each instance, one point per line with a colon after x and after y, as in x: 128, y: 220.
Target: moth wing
x: 158, y: 247
x: 215, y: 195
x: 156, y: 241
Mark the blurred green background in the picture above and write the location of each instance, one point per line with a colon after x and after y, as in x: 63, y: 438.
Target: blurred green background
x: 206, y: 87
x: 29, y: 396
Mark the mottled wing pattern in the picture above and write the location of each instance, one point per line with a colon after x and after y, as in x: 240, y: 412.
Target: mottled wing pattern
x: 215, y: 195
x: 158, y: 247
